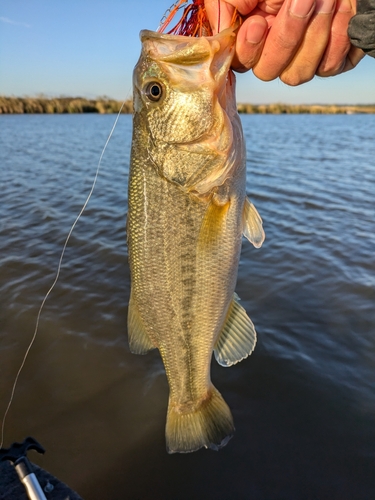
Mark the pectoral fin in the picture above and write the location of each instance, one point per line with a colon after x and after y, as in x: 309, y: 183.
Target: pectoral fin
x: 252, y: 224
x: 139, y: 341
x: 213, y: 225
x: 238, y: 337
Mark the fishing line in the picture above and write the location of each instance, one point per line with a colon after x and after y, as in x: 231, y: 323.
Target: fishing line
x: 56, y: 277
x: 218, y: 16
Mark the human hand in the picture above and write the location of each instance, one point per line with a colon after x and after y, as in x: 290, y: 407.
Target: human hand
x: 307, y: 37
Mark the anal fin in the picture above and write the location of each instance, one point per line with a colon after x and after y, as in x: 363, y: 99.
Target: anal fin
x: 139, y: 341
x: 238, y: 337
x: 252, y: 224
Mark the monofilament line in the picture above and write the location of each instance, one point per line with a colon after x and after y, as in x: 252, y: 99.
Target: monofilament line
x: 56, y: 278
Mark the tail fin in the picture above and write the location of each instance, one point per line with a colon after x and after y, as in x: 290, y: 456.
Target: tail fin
x: 210, y: 425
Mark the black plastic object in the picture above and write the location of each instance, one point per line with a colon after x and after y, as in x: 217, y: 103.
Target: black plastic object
x: 19, y: 450
x: 17, y: 455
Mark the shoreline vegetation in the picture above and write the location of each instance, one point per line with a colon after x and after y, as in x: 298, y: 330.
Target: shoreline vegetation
x: 105, y: 105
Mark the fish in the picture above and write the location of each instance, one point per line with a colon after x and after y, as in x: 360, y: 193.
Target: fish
x: 187, y: 213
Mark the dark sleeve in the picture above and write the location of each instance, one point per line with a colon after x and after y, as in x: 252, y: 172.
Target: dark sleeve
x: 362, y: 27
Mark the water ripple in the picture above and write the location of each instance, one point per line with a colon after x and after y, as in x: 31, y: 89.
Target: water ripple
x: 310, y: 291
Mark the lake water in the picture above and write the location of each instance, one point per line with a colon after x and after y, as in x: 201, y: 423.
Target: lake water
x: 303, y: 402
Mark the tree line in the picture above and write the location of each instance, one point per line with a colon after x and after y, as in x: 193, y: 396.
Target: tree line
x: 104, y: 105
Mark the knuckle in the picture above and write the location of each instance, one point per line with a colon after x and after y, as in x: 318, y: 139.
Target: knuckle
x: 327, y: 71
x: 294, y: 78
x: 331, y: 65
x: 265, y: 76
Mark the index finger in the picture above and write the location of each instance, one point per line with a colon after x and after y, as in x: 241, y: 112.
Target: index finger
x: 284, y: 38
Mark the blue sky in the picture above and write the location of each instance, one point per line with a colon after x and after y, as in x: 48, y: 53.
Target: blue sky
x: 89, y: 48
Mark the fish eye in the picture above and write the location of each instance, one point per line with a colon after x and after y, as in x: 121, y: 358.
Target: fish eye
x: 154, y: 91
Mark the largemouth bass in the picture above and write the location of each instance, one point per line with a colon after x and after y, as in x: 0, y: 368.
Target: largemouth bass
x: 187, y: 213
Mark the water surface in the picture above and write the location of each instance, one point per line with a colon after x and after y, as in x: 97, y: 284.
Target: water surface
x: 303, y: 403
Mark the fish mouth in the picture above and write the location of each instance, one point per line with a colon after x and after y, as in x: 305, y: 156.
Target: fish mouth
x: 149, y: 34
x: 188, y: 50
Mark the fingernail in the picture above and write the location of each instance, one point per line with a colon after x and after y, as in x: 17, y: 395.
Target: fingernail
x: 255, y: 32
x: 324, y: 6
x: 301, y: 8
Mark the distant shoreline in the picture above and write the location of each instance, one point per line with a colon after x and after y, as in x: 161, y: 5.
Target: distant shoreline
x: 60, y: 105
x: 63, y: 105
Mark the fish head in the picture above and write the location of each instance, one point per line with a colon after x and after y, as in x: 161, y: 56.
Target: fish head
x: 183, y: 94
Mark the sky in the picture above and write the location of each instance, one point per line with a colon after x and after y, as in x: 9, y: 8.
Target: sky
x: 89, y: 48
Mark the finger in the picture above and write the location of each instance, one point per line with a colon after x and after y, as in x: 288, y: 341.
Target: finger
x: 304, y: 64
x: 270, y: 6
x: 250, y: 40
x: 220, y: 13
x: 339, y: 45
x: 284, y: 38
x: 352, y: 59
x: 244, y: 7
